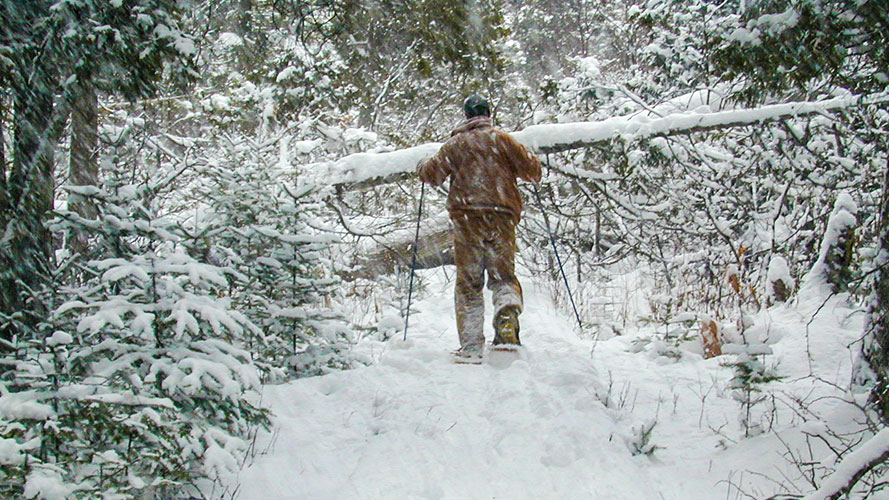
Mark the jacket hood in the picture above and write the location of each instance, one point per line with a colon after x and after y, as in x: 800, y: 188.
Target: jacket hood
x: 472, y: 124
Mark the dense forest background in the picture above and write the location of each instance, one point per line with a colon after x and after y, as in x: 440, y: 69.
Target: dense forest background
x: 169, y: 241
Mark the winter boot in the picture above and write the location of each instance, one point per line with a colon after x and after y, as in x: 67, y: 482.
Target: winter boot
x: 506, y: 327
x: 467, y: 355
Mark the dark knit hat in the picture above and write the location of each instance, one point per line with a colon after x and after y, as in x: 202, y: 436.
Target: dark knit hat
x: 476, y: 105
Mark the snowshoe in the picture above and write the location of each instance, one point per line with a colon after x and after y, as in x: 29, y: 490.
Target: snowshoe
x: 506, y: 329
x: 504, y: 355
x: 468, y: 356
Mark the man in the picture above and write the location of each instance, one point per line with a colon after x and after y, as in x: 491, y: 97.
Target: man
x: 485, y: 206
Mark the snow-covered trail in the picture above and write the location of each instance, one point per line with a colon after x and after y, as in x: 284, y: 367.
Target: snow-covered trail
x: 415, y: 425
x: 555, y: 423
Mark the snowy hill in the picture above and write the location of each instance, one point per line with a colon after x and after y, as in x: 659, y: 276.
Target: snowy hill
x: 567, y: 419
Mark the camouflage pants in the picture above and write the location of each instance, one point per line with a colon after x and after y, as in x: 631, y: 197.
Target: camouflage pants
x: 483, y: 242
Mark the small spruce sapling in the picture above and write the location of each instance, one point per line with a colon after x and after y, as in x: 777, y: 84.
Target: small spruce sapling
x: 750, y: 374
x: 269, y: 230
x: 640, y: 442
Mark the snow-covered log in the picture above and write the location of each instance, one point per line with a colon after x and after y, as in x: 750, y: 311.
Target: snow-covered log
x: 369, y: 169
x: 434, y: 249
x: 558, y: 137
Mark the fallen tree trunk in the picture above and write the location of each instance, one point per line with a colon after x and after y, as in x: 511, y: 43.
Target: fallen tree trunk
x: 364, y: 170
x: 434, y: 249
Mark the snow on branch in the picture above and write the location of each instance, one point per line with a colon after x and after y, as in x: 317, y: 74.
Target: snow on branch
x: 383, y: 167
x: 368, y: 169
x: 557, y: 137
x: 855, y: 465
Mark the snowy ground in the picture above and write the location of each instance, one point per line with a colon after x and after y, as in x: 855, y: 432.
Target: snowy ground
x: 561, y: 421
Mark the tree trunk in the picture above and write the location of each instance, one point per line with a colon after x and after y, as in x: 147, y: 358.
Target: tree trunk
x: 839, y: 245
x: 875, y: 350
x: 245, y: 18
x: 434, y: 249
x: 4, y: 190
x: 26, y: 252
x: 83, y: 168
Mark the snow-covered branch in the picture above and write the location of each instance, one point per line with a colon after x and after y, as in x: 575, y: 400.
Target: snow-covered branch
x: 853, y: 467
x: 554, y: 138
x: 368, y: 169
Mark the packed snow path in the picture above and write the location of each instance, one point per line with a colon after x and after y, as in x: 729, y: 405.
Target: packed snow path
x: 413, y: 425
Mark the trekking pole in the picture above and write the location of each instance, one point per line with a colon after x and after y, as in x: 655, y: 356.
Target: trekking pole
x: 552, y: 240
x: 410, y: 288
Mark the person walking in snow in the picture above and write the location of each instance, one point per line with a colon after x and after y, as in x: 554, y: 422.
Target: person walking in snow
x: 485, y: 206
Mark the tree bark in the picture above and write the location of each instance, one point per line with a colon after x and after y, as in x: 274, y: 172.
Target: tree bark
x: 434, y: 249
x: 83, y: 169
x: 875, y: 350
x: 4, y: 189
x: 26, y: 252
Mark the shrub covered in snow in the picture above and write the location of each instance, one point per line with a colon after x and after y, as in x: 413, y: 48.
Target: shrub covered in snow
x: 265, y: 229
x: 140, y: 386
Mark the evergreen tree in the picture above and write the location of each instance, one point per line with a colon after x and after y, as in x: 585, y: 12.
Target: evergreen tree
x: 64, y: 49
x: 139, y: 389
x: 408, y: 59
x: 269, y: 229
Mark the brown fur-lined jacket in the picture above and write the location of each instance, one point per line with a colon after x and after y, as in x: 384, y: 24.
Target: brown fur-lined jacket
x: 483, y: 164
